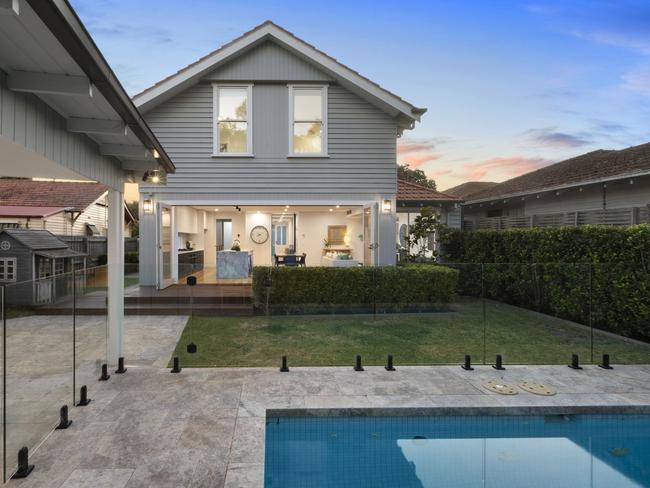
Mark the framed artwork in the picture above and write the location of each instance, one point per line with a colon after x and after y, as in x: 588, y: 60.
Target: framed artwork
x: 336, y: 234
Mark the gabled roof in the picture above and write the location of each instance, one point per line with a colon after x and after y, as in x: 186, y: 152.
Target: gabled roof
x: 349, y: 78
x: 36, y: 239
x: 593, y: 167
x: 412, y: 192
x: 465, y: 190
x: 75, y: 196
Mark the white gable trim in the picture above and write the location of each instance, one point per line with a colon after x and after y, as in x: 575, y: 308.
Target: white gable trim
x: 169, y: 87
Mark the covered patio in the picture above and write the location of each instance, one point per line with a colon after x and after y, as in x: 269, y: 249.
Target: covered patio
x: 64, y: 117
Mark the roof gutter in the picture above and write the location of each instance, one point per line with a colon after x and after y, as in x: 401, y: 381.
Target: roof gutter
x: 557, y: 188
x: 59, y: 17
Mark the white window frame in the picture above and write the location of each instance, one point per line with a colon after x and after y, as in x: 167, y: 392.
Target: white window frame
x: 324, y: 150
x: 215, y: 120
x: 4, y: 275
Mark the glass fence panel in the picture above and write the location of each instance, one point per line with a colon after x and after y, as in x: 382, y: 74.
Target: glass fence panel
x: 620, y: 312
x: 91, y: 327
x: 38, y: 331
x: 537, y: 313
x: 427, y: 313
x: 322, y: 316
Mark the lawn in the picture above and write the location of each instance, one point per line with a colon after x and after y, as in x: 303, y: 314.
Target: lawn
x: 521, y: 336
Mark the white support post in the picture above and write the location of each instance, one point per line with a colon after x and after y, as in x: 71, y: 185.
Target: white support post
x: 115, y: 275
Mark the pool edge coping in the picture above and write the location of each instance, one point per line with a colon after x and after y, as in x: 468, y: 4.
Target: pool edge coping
x: 459, y: 411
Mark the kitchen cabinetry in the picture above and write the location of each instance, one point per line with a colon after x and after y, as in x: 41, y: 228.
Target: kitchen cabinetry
x: 189, y: 262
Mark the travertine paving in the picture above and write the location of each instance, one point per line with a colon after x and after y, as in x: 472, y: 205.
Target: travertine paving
x: 205, y: 427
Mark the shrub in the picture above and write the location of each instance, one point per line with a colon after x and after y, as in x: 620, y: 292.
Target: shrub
x: 399, y: 286
x: 590, y: 274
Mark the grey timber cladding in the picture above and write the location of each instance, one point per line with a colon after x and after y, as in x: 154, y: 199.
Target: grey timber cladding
x: 268, y: 61
x: 361, y: 147
x: 27, y: 120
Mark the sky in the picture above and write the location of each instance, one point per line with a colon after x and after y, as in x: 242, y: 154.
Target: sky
x: 510, y: 86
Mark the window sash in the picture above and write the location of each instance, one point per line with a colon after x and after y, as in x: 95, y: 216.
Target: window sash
x: 8, y: 269
x: 219, y: 122
x: 322, y: 121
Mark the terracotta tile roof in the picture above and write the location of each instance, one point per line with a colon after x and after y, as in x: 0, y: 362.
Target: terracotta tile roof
x: 465, y: 190
x: 25, y: 211
x: 412, y: 192
x: 600, y: 165
x: 416, y: 110
x: 29, y: 193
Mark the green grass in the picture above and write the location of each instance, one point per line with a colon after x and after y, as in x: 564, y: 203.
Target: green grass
x: 521, y: 336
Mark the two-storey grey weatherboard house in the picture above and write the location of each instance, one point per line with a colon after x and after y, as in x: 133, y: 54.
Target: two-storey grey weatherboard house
x: 278, y: 148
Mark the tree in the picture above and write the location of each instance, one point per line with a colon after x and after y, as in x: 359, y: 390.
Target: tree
x: 134, y: 209
x: 422, y: 233
x: 404, y: 172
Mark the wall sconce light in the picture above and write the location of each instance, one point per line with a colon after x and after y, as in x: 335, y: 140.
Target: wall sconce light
x: 147, y: 206
x: 156, y: 154
x: 386, y: 206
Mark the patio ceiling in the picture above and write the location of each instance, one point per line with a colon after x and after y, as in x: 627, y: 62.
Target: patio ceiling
x: 45, y: 51
x: 277, y: 208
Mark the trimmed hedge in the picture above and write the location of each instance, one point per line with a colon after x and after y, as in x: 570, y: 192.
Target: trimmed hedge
x: 595, y: 275
x: 413, y: 284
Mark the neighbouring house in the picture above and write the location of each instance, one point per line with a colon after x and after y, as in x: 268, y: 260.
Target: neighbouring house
x: 609, y: 187
x: 281, y: 150
x: 411, y: 199
x: 29, y: 261
x: 466, y: 190
x: 65, y: 208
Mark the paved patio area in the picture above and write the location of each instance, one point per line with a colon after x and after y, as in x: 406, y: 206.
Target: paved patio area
x: 205, y: 427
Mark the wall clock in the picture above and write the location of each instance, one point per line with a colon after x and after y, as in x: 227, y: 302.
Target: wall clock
x: 259, y: 234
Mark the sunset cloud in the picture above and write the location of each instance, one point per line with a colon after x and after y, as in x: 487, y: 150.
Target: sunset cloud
x: 550, y: 137
x: 502, y: 168
x: 415, y: 153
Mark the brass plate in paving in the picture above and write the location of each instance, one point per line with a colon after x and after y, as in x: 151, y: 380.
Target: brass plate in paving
x: 500, y: 387
x: 537, y: 388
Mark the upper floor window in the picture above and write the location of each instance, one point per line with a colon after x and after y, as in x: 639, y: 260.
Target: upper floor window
x: 233, y: 133
x: 308, y: 120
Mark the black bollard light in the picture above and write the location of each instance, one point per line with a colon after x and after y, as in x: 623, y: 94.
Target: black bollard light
x: 575, y: 362
x: 64, y: 421
x: 105, y: 376
x: 605, y: 363
x: 357, y: 364
x: 24, y: 468
x: 177, y: 366
x: 284, y: 368
x: 120, y: 366
x: 389, y: 363
x: 499, y: 363
x: 468, y: 363
x: 191, y: 348
x: 83, y: 397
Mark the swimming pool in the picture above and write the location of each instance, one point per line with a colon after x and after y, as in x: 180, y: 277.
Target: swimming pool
x: 572, y: 451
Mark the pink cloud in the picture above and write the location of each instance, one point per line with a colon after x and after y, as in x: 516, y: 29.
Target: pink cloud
x: 416, y: 153
x: 501, y: 168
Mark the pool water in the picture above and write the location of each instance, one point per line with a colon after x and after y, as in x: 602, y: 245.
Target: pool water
x: 575, y: 451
